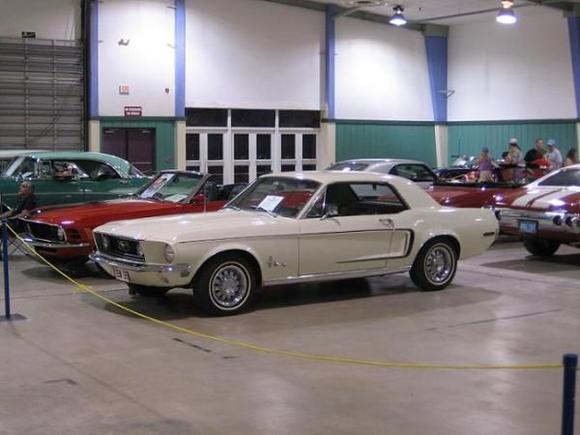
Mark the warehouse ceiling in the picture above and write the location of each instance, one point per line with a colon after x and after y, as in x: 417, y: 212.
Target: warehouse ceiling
x: 444, y: 12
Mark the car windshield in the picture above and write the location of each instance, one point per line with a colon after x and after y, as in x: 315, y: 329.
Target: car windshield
x: 172, y: 187
x: 21, y: 167
x: 348, y: 166
x: 276, y: 196
x: 565, y: 177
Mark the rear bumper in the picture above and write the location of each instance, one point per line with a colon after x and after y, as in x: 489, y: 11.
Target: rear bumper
x: 554, y: 225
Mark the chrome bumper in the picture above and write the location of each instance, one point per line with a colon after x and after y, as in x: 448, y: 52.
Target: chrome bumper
x: 552, y: 221
x: 39, y: 243
x: 139, y: 266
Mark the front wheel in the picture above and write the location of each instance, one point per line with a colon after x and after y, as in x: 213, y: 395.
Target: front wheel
x: 147, y: 291
x: 225, y: 285
x: 541, y: 247
x: 435, y: 266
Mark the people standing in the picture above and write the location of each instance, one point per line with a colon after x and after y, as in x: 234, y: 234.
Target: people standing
x: 571, y: 157
x: 535, y: 153
x: 485, y: 165
x: 554, y: 155
x: 515, y: 156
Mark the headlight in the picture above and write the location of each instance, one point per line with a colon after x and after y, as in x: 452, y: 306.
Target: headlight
x: 60, y: 234
x: 139, y: 250
x: 169, y: 254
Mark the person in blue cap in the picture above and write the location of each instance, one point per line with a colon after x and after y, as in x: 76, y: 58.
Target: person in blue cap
x: 554, y: 155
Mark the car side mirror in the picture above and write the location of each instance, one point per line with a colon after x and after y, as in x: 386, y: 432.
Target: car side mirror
x: 198, y: 199
x: 331, y: 211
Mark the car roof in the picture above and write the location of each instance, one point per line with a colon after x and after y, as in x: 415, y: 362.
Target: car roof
x: 413, y: 194
x: 120, y: 164
x: 376, y: 161
x: 15, y: 153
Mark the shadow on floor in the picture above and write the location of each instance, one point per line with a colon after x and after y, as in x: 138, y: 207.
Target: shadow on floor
x: 540, y: 265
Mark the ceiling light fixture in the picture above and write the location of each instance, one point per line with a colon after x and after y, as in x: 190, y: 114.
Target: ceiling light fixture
x: 398, y: 19
x: 506, y: 15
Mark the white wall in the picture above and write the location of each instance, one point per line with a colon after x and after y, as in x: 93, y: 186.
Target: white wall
x: 381, y: 72
x: 146, y: 64
x: 253, y: 54
x: 512, y: 72
x: 54, y: 19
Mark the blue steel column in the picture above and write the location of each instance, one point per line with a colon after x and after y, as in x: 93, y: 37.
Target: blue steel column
x: 93, y: 58
x: 180, y: 58
x: 437, y: 65
x: 574, y: 32
x: 330, y: 70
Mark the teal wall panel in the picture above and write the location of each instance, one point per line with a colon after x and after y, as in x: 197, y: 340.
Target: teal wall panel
x: 468, y: 138
x: 164, y: 137
x: 382, y: 140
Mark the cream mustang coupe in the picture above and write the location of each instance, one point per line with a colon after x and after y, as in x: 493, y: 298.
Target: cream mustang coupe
x: 295, y: 227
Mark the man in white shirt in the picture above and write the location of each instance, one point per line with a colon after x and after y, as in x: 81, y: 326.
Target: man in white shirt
x: 554, y: 156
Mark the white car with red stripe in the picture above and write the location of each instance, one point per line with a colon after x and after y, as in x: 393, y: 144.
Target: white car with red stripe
x: 546, y: 213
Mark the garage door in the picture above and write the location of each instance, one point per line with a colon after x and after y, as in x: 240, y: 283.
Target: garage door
x: 41, y: 94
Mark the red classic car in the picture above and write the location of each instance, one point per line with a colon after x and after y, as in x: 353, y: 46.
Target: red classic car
x: 64, y: 234
x: 546, y: 212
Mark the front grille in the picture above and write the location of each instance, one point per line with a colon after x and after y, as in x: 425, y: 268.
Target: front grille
x: 118, y: 246
x: 43, y: 231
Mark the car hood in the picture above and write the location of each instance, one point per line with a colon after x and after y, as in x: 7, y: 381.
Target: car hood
x: 97, y: 213
x: 223, y: 224
x: 549, y: 198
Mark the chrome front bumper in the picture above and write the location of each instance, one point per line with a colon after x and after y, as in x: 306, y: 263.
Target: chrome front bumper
x: 40, y: 243
x: 139, y: 266
x: 139, y: 272
x: 549, y: 221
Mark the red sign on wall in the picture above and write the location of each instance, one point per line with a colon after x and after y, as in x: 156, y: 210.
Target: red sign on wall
x: 133, y: 111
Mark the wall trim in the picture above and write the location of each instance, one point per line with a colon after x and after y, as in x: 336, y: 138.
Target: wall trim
x: 375, y: 122
x: 330, y: 60
x: 515, y: 121
x: 136, y: 118
x: 93, y: 58
x: 180, y: 58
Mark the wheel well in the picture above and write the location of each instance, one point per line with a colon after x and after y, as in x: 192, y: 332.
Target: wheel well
x: 452, y: 241
x: 246, y: 255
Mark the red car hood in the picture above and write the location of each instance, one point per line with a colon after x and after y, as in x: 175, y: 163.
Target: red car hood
x: 97, y: 213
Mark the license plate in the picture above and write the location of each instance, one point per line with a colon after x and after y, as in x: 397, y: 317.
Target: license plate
x: 530, y: 227
x: 121, y: 274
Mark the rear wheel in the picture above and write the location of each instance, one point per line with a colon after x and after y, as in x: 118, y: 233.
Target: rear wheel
x: 225, y: 285
x: 147, y: 291
x: 435, y: 265
x: 541, y: 247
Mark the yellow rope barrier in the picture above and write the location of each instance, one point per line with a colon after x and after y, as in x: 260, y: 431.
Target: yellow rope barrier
x: 288, y: 353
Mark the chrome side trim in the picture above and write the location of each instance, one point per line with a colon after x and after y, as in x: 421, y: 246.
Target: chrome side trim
x: 137, y: 266
x: 37, y: 243
x: 335, y: 275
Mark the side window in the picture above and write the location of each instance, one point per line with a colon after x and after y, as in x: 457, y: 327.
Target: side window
x: 25, y: 169
x: 97, y: 171
x: 414, y: 172
x: 64, y: 169
x: 357, y: 199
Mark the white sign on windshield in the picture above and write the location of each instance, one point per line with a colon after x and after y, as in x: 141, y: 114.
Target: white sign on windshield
x: 270, y: 202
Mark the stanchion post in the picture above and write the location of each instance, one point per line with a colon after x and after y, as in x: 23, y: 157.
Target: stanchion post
x: 569, y: 393
x: 7, y: 313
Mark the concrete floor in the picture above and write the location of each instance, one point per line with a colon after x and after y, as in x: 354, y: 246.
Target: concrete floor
x: 78, y: 365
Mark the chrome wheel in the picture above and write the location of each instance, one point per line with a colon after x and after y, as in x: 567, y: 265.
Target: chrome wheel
x: 439, y: 264
x: 229, y: 285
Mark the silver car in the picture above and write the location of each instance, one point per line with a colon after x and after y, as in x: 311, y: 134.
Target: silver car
x: 413, y: 170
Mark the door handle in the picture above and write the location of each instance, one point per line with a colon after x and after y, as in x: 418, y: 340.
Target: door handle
x: 388, y: 222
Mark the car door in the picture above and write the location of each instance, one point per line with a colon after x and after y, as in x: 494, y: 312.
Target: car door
x: 351, y: 228
x: 416, y: 172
